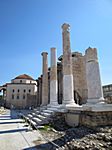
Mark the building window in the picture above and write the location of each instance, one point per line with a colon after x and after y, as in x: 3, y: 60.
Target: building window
x: 104, y: 89
x: 24, y: 90
x: 23, y: 96
x: 110, y: 88
x: 29, y: 90
x: 13, y: 90
x: 20, y: 81
x: 12, y: 96
x: 17, y: 96
x: 18, y: 90
x: 30, y: 82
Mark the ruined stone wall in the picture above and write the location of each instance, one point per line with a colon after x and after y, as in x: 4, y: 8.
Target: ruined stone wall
x: 90, y: 119
x: 93, y: 119
x: 79, y: 76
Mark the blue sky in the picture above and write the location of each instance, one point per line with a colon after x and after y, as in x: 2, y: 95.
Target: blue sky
x: 28, y: 27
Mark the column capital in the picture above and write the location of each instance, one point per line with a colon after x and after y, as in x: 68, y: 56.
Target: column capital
x: 65, y: 27
x: 53, y: 48
x: 44, y: 53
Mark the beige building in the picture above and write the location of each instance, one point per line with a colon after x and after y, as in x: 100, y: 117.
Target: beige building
x: 21, y: 92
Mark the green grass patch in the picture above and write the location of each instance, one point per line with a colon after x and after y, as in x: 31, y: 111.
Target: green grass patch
x: 45, y: 128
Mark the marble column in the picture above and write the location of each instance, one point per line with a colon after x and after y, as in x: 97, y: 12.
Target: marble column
x: 68, y: 95
x: 53, y: 79
x: 95, y: 93
x: 45, y: 80
x: 39, y: 91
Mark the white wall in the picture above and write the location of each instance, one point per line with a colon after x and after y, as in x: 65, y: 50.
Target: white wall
x: 21, y: 88
x: 23, y: 81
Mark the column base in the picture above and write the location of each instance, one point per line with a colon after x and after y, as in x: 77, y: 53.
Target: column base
x: 43, y: 105
x: 93, y: 101
x: 68, y: 96
x: 56, y: 105
x: 56, y: 108
x: 72, y: 106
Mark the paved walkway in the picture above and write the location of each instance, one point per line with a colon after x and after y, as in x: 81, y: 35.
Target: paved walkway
x: 15, y: 134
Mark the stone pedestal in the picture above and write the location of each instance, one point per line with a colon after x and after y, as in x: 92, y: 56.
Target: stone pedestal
x: 45, y: 80
x: 68, y: 95
x: 95, y: 102
x: 53, y: 79
x: 95, y: 93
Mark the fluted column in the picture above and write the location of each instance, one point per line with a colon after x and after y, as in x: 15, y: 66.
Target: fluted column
x: 95, y: 93
x: 45, y: 80
x: 68, y: 95
x: 53, y: 79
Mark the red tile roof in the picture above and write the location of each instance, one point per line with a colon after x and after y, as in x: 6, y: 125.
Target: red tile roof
x: 24, y: 76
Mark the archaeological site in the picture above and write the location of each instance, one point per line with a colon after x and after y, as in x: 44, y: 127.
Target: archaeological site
x: 71, y: 86
x: 66, y: 104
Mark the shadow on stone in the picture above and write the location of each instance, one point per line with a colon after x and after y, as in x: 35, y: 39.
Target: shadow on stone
x: 12, y: 131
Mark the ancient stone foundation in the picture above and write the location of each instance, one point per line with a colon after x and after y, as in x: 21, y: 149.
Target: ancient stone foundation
x: 77, y: 79
x: 93, y: 119
x: 88, y: 118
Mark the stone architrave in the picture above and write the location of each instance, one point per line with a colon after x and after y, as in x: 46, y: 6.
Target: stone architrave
x: 45, y: 80
x: 95, y: 93
x: 53, y: 79
x: 68, y: 95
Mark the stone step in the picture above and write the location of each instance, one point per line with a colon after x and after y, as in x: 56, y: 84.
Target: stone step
x: 48, y: 111
x: 40, y: 122
x: 30, y: 116
x: 52, y: 109
x: 62, y: 110
x: 41, y: 117
x: 46, y: 114
x: 37, y: 111
x: 43, y: 108
x: 27, y: 118
x: 33, y: 114
x: 33, y: 122
x: 36, y: 119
